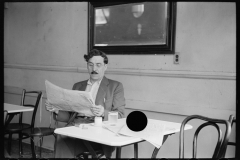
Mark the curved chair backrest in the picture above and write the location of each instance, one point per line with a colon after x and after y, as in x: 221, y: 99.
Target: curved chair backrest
x: 35, y: 106
x: 5, y: 117
x: 232, y: 120
x: 222, y: 141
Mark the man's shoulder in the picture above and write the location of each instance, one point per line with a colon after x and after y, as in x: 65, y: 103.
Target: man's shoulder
x: 114, y: 82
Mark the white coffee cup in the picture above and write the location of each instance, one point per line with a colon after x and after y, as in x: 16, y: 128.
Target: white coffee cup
x: 98, y: 121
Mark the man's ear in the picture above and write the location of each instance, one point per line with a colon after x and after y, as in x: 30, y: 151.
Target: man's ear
x: 105, y: 67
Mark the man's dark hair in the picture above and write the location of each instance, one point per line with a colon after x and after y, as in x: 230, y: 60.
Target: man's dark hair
x: 96, y: 52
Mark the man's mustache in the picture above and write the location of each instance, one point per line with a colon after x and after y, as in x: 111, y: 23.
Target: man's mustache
x: 93, y: 72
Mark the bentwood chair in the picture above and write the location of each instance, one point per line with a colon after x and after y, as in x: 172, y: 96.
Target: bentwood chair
x: 17, y: 128
x: 5, y: 117
x: 39, y: 132
x: 6, y: 154
x: 222, y: 142
x: 232, y: 121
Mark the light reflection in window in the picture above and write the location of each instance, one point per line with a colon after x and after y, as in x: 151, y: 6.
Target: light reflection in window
x: 138, y: 10
x: 101, y: 16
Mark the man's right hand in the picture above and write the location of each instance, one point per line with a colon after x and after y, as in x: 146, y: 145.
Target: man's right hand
x: 50, y: 107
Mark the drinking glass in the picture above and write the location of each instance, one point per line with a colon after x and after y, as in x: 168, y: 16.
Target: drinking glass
x: 112, y: 118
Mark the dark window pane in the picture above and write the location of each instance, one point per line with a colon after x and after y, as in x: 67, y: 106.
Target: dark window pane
x: 133, y: 28
x: 131, y: 24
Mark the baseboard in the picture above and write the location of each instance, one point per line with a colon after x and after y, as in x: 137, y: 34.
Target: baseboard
x: 51, y: 149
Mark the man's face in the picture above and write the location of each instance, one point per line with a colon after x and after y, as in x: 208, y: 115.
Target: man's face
x: 96, y: 68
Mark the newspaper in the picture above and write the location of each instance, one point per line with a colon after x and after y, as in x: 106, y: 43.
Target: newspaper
x: 153, y: 132
x: 69, y: 100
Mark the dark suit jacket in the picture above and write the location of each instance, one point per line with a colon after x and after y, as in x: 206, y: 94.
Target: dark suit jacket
x: 110, y: 90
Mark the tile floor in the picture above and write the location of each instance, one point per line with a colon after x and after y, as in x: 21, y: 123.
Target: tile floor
x: 27, y: 150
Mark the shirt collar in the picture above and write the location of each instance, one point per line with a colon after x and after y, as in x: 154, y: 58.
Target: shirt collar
x: 90, y: 83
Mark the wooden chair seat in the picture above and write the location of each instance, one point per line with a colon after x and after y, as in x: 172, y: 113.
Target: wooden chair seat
x: 16, y: 127
x: 38, y: 132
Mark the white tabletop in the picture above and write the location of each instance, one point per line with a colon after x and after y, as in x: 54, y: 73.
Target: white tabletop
x: 104, y: 136
x: 12, y: 108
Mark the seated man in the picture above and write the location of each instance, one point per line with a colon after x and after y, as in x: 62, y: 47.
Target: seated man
x: 108, y: 96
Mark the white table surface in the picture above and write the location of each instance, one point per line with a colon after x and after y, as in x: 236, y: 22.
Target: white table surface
x: 104, y: 136
x: 12, y: 108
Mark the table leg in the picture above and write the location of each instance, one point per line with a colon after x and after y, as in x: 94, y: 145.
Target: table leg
x: 135, y: 150
x: 55, y: 144
x: 9, y: 118
x: 155, y: 152
x: 89, y: 147
x: 118, y: 152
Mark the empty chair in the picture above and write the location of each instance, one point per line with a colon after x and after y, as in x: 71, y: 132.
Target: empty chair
x: 222, y: 142
x: 5, y: 117
x: 39, y: 132
x: 232, y: 121
x: 6, y: 155
x: 17, y: 128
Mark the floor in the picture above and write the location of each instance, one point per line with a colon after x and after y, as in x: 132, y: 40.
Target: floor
x: 27, y: 150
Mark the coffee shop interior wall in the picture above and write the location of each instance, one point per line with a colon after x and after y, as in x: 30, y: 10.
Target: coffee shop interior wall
x: 47, y: 41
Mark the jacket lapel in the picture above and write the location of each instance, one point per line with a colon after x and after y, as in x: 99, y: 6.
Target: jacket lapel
x: 102, y: 92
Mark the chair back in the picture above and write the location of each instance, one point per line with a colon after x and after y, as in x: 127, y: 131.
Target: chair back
x: 5, y: 117
x: 221, y: 145
x: 232, y: 121
x: 38, y: 95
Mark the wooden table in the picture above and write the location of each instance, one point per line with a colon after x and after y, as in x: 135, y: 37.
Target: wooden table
x: 104, y: 136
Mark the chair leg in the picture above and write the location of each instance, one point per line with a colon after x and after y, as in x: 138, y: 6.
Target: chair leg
x: 55, y: 136
x: 33, y: 148
x: 9, y: 143
x: 41, y: 141
x: 6, y: 154
x: 20, y: 144
x: 85, y: 156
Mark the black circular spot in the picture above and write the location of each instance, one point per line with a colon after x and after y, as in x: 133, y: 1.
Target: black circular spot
x: 136, y: 121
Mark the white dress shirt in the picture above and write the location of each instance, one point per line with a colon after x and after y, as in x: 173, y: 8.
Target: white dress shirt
x: 93, y: 88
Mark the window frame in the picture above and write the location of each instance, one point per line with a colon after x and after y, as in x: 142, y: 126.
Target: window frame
x: 168, y: 48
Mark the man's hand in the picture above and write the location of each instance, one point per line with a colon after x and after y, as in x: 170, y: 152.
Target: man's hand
x: 50, y: 107
x: 97, y: 110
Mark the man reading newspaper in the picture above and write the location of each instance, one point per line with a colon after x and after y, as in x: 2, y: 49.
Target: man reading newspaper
x: 107, y: 94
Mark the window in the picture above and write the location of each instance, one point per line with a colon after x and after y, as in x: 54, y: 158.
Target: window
x: 132, y: 28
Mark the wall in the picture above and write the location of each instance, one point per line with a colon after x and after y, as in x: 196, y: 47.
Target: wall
x: 47, y: 41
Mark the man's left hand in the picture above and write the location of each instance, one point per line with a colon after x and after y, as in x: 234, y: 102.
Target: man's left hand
x: 97, y: 110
